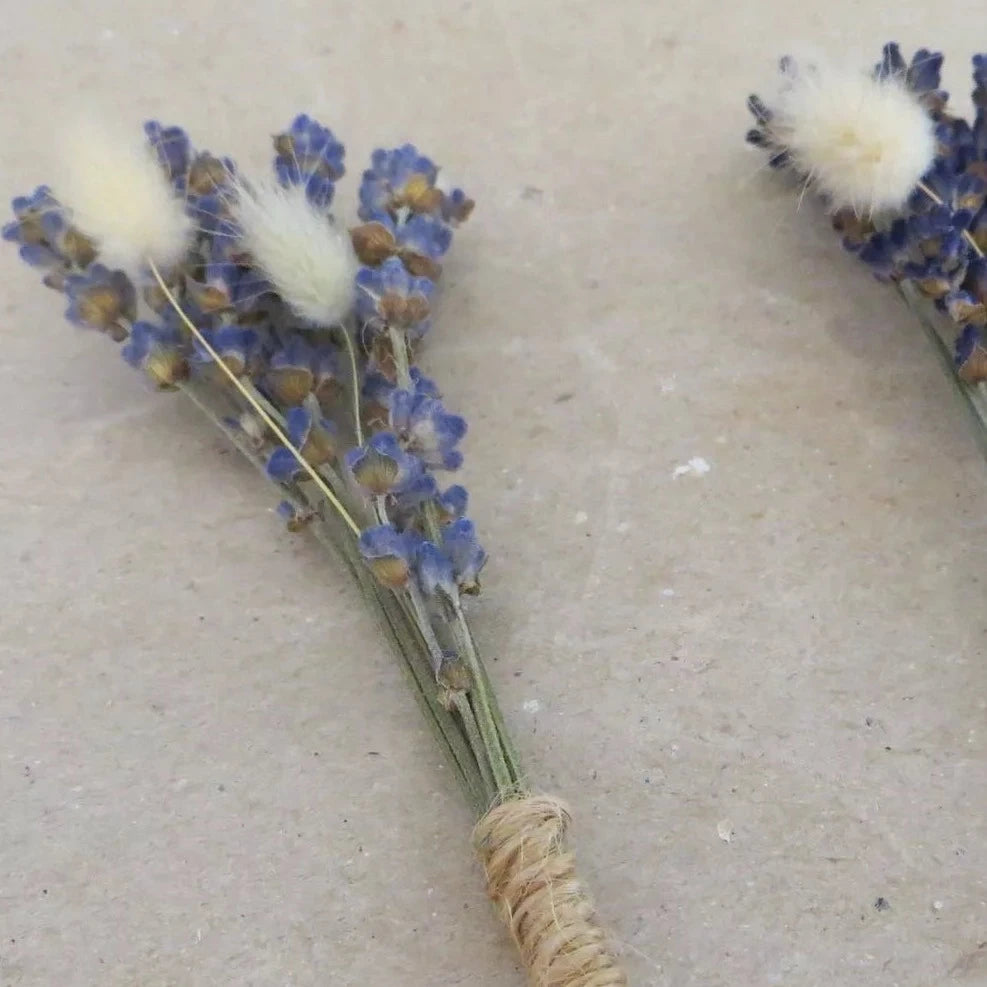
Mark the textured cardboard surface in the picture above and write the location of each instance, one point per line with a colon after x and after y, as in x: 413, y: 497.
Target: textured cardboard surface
x: 210, y: 768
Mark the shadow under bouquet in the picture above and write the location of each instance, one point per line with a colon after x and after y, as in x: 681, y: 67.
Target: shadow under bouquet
x: 905, y: 179
x: 298, y: 339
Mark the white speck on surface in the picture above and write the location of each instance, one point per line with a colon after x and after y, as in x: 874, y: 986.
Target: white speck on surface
x: 581, y: 517
x: 668, y: 591
x: 724, y: 830
x: 720, y: 440
x: 623, y: 527
x: 668, y: 385
x: 531, y: 706
x: 937, y: 906
x: 697, y: 466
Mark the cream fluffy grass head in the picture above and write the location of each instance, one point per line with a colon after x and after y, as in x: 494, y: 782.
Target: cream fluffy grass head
x: 120, y: 197
x: 864, y: 141
x: 295, y: 245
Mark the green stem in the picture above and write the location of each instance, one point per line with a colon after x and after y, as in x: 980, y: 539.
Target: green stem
x: 480, y: 694
x: 355, y: 381
x: 443, y: 724
x: 475, y: 663
x: 475, y: 738
x: 425, y: 626
x: 497, y: 746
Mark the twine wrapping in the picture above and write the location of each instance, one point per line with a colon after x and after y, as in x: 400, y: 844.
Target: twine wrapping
x: 532, y: 878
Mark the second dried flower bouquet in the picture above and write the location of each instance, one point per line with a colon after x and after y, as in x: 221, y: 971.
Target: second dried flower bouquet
x: 905, y: 178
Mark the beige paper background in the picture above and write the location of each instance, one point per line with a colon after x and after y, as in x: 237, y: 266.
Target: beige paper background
x: 210, y: 769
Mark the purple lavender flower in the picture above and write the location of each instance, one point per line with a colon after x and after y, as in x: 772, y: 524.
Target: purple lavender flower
x: 219, y: 289
x: 46, y: 238
x: 314, y: 439
x: 465, y: 553
x: 763, y: 136
x: 173, y: 149
x: 376, y: 239
x: 46, y: 251
x: 100, y: 299
x: 425, y: 235
x: 295, y: 518
x: 422, y: 240
x: 886, y: 253
x: 435, y: 571
x: 389, y: 296
x: 237, y: 346
x: 212, y: 217
x: 969, y: 194
x: 208, y: 174
x: 457, y: 207
x: 390, y: 554
x: 381, y: 466
x: 455, y: 565
x: 309, y: 155
x: 29, y: 211
x: 417, y: 490
x: 425, y: 428
x: 157, y: 349
x: 963, y: 308
x: 452, y: 503
x: 970, y: 356
x: 921, y: 75
x: 297, y: 369
x: 377, y: 389
x: 398, y: 178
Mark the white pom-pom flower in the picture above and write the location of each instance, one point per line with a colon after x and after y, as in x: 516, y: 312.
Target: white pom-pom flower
x: 309, y: 261
x: 865, y: 142
x: 120, y: 197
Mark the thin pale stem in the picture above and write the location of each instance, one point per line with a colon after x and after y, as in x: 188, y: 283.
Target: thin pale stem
x: 354, y: 377
x: 475, y: 738
x: 435, y: 654
x: 399, y: 626
x: 254, y: 403
x: 480, y: 693
x: 474, y: 661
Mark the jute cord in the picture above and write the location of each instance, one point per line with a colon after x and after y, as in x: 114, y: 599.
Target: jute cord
x: 532, y: 878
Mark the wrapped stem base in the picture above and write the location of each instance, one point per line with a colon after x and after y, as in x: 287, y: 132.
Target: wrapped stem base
x: 531, y: 877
